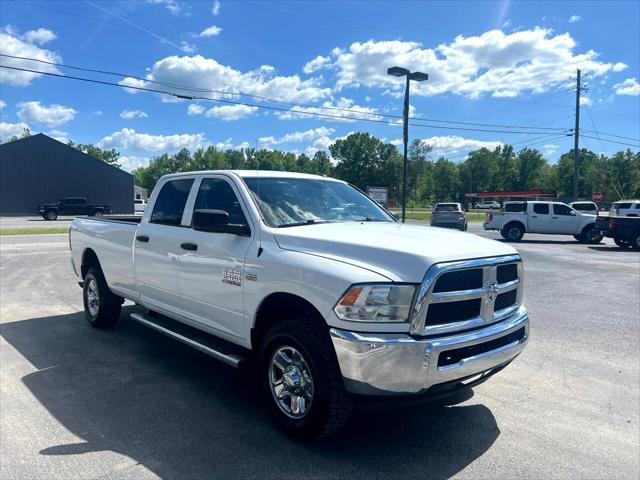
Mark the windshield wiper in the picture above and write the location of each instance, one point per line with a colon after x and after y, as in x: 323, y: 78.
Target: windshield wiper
x: 369, y: 219
x: 304, y: 222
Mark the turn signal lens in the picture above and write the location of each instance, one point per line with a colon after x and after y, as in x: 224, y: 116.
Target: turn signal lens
x: 376, y: 303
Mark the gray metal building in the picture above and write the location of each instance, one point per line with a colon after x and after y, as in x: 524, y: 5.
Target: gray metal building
x: 39, y: 169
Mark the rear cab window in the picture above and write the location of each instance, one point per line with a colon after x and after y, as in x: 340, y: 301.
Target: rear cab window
x: 447, y: 207
x: 170, y: 204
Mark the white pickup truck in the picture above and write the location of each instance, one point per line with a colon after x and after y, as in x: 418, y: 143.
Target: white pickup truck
x: 309, y: 278
x: 545, y: 217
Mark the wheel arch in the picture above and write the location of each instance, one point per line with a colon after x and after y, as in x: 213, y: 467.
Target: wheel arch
x: 279, y: 306
x: 517, y: 222
x: 89, y: 260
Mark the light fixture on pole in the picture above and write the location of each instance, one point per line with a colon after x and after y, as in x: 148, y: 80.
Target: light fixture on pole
x: 418, y: 77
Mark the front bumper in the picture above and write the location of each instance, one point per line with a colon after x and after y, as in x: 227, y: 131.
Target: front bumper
x: 399, y: 364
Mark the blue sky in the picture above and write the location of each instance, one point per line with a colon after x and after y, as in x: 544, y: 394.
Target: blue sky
x: 500, y: 63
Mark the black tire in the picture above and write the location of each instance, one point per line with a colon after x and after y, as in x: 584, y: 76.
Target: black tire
x: 579, y: 238
x: 98, y: 213
x: 50, y: 215
x: 621, y: 243
x: 635, y: 241
x: 512, y: 232
x: 463, y: 228
x: 101, y: 307
x: 329, y: 405
x: 591, y: 235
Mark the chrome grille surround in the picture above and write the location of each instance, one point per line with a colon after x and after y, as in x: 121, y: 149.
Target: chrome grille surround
x: 487, y: 293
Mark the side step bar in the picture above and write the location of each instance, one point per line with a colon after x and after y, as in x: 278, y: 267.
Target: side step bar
x: 208, y: 344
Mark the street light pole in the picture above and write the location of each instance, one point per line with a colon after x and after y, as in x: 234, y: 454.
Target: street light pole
x: 418, y: 77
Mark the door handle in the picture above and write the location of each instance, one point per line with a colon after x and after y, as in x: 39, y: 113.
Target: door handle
x: 534, y: 216
x: 554, y: 217
x: 142, y: 238
x: 189, y: 246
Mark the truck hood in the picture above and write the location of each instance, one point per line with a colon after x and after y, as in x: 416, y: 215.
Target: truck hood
x: 402, y: 253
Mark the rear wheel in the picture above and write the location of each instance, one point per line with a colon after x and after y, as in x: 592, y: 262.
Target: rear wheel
x: 101, y: 306
x: 301, y: 380
x: 578, y: 238
x: 98, y: 213
x: 635, y: 244
x: 51, y: 215
x: 512, y: 232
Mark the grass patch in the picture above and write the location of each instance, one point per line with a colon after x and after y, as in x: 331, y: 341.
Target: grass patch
x: 34, y: 231
x: 426, y: 215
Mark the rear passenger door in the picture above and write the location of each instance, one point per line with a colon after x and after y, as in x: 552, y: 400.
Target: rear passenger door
x: 540, y: 218
x: 157, y: 246
x: 211, y: 274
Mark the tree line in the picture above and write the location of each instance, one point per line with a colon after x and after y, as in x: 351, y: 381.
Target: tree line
x: 364, y: 160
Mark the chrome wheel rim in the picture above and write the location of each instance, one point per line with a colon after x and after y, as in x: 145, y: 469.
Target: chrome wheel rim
x: 291, y: 382
x: 638, y: 241
x: 93, y: 297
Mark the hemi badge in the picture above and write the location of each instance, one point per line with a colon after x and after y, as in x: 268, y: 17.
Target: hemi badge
x: 251, y: 276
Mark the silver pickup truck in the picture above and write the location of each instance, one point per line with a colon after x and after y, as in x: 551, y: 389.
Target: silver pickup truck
x: 322, y: 288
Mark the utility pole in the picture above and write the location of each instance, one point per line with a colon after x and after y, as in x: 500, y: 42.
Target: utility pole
x: 576, y: 139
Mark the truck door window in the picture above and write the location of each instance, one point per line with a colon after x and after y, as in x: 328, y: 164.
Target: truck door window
x: 170, y: 204
x: 559, y: 209
x: 217, y: 194
x: 541, y: 208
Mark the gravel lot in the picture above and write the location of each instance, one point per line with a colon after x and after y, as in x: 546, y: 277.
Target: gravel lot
x: 129, y: 403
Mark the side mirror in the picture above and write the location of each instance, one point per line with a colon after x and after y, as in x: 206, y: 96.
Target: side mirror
x: 573, y: 213
x: 217, y: 221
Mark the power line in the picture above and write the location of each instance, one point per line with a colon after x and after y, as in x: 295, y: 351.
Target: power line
x: 612, y: 141
x: 594, y: 126
x: 267, y: 107
x: 612, y: 135
x: 260, y: 97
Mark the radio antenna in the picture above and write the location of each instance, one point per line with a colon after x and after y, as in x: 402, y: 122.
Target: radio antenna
x: 259, y: 200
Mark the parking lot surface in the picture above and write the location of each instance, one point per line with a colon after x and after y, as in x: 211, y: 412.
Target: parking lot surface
x: 128, y: 403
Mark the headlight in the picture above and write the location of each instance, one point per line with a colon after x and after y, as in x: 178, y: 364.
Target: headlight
x: 376, y: 303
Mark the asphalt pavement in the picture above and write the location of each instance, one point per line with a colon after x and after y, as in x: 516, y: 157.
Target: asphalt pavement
x: 129, y: 403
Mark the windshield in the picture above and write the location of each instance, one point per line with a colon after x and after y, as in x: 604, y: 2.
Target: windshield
x: 286, y: 202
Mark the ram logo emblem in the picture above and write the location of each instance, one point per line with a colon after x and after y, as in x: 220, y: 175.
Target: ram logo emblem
x: 492, y: 290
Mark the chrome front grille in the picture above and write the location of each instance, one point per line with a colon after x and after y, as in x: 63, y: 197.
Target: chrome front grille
x: 462, y: 295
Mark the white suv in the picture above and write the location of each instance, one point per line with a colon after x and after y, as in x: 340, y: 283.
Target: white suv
x: 625, y: 208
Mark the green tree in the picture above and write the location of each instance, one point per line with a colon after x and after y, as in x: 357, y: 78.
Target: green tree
x: 107, y: 156
x: 25, y: 134
x: 530, y: 165
x: 446, y: 180
x: 322, y: 163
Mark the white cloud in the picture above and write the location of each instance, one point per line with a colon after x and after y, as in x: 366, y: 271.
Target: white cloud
x: 212, y: 31
x: 228, y: 113
x: 41, y: 35
x: 188, y: 47
x: 52, y: 115
x: 59, y: 135
x: 12, y: 44
x: 131, y: 162
x: 131, y: 82
x: 8, y: 130
x: 550, y: 148
x: 130, y: 114
x: 207, y: 74
x: 215, y: 9
x: 316, y: 64
x: 2, y: 104
x: 443, y: 145
x: 629, y: 87
x: 229, y: 145
x: 129, y: 139
x: 574, y: 18
x: 195, y: 109
x: 170, y: 5
x: 310, y: 135
x: 357, y: 112
x: 493, y: 63
x: 586, y: 101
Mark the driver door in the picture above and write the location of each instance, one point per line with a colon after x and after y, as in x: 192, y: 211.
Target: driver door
x: 564, y: 219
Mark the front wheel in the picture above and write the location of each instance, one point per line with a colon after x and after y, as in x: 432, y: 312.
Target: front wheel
x: 635, y: 243
x: 301, y: 380
x: 591, y: 235
x: 101, y: 306
x: 51, y: 215
x: 98, y: 213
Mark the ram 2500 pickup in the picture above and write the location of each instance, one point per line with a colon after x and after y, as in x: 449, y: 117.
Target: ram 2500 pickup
x: 309, y: 278
x: 554, y: 218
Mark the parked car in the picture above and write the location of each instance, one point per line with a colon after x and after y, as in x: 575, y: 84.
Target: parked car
x: 545, y: 217
x: 488, y: 205
x: 139, y: 205
x: 625, y: 231
x: 449, y: 215
x: 72, y: 206
x: 625, y: 208
x: 332, y: 304
x: 587, y: 208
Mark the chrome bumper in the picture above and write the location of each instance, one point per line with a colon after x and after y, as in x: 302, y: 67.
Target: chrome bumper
x: 396, y: 364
